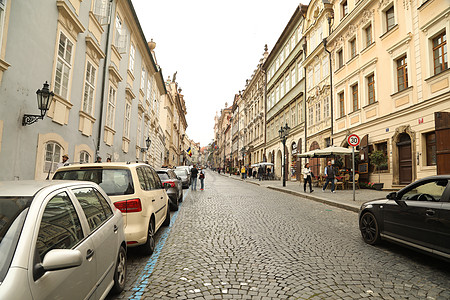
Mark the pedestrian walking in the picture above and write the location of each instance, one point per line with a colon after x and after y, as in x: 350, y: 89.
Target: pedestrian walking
x: 201, y: 176
x: 64, y: 161
x: 329, y: 177
x: 307, y: 175
x: 260, y: 172
x: 194, y: 173
x: 243, y: 172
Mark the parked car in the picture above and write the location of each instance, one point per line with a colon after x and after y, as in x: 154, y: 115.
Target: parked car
x: 417, y: 216
x: 174, y: 187
x: 59, y: 240
x: 136, y: 190
x: 185, y: 178
x: 187, y: 168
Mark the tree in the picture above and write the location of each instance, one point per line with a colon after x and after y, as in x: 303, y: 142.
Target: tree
x: 377, y: 159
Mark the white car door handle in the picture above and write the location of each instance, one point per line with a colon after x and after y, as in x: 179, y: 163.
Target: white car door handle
x: 89, y: 253
x: 153, y: 200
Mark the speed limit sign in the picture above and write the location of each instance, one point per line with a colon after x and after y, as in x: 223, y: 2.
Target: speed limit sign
x: 353, y: 140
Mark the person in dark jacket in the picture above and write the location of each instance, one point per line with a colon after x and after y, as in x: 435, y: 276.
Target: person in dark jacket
x: 194, y: 173
x: 329, y: 177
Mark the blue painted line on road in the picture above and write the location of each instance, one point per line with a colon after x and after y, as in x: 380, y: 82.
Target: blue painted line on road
x: 142, y: 282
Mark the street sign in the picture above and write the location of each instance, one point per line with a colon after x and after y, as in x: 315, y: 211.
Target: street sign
x: 353, y: 140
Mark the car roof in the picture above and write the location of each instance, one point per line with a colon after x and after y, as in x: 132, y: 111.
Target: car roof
x: 105, y: 165
x: 28, y: 188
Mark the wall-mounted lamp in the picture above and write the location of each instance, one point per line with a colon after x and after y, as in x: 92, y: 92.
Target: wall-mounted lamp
x: 148, y: 142
x: 44, y: 98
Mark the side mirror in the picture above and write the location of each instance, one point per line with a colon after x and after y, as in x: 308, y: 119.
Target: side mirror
x: 391, y: 196
x: 58, y: 259
x: 178, y: 177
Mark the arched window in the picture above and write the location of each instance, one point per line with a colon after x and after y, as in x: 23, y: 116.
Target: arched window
x: 85, y: 157
x: 53, y: 153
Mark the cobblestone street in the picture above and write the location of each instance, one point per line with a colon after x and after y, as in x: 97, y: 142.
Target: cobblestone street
x: 242, y: 241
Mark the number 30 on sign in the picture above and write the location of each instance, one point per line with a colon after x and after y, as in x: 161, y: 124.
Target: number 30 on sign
x: 353, y: 140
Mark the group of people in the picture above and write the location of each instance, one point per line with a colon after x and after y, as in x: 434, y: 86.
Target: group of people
x: 255, y: 172
x: 330, y: 176
x: 201, y: 175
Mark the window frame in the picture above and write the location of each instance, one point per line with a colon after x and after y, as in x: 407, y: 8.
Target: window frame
x: 341, y: 104
x: 355, y: 98
x: 402, y: 72
x: 61, y: 87
x: 371, y: 88
x: 111, y: 108
x: 389, y: 16
x: 443, y: 45
x: 89, y: 89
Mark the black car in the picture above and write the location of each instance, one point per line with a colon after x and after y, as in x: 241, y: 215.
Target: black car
x: 417, y: 216
x: 173, y: 185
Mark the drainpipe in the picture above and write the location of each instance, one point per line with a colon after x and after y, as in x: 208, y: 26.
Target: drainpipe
x: 105, y: 67
x: 331, y: 87
x: 304, y: 99
x: 265, y: 114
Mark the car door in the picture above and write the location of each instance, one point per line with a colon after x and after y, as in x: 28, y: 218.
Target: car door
x: 413, y: 217
x: 443, y: 226
x: 59, y: 226
x: 158, y: 194
x: 103, y: 233
x: 175, y: 179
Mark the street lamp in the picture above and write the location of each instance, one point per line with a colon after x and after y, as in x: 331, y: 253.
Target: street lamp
x: 44, y: 98
x: 148, y: 142
x: 284, y: 132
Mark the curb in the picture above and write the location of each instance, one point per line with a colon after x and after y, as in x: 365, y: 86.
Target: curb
x: 299, y: 194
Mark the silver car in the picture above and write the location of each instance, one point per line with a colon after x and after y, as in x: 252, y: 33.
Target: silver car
x: 59, y: 240
x: 184, y: 175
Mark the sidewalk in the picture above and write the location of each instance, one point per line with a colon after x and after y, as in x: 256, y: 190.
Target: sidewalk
x: 342, y: 198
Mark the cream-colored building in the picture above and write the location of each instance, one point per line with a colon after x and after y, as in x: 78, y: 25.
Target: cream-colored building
x: 391, y: 78
x: 285, y: 96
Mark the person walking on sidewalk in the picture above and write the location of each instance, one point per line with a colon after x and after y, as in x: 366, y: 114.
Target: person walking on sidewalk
x: 329, y: 177
x: 307, y: 175
x: 201, y: 176
x: 243, y: 172
x: 194, y: 173
x: 260, y: 172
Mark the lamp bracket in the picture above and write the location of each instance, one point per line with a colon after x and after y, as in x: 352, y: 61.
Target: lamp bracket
x: 30, y: 119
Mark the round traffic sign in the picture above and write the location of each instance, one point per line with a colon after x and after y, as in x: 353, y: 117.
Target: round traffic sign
x: 353, y: 140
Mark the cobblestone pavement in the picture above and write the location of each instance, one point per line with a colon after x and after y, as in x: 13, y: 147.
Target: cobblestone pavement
x: 241, y: 241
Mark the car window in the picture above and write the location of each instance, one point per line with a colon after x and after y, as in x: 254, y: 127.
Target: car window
x: 60, y: 226
x: 105, y: 204
x: 158, y: 184
x: 181, y: 172
x: 143, y: 179
x: 112, y: 181
x: 13, y: 211
x: 163, y: 176
x: 151, y: 179
x: 172, y: 174
x: 96, y: 212
x: 430, y: 191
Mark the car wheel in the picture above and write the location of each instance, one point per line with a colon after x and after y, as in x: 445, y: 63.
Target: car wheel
x: 149, y: 245
x: 120, y: 273
x: 370, y: 230
x: 167, y: 220
x: 181, y: 196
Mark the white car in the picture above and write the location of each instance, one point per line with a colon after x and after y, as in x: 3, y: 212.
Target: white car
x: 59, y: 240
x: 135, y: 189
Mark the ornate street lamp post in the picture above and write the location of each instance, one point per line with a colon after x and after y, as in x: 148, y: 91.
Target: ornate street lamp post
x: 284, y: 132
x: 44, y: 98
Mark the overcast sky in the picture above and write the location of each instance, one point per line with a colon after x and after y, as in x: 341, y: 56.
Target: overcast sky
x: 214, y: 46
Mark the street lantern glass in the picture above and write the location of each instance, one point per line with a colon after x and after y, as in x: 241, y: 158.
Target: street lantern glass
x: 44, y: 98
x: 148, y: 142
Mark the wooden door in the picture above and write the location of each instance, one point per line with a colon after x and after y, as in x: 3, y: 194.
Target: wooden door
x: 405, y: 159
x: 442, y: 125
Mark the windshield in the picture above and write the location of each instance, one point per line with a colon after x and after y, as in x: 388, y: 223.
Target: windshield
x: 181, y: 173
x: 163, y: 176
x: 112, y: 181
x: 13, y: 211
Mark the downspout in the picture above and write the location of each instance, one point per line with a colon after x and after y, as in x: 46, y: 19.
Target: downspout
x: 265, y: 114
x: 331, y: 88
x: 304, y: 99
x: 102, y: 99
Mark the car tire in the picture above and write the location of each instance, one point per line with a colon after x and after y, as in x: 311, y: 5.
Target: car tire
x: 181, y: 196
x: 120, y: 272
x: 370, y: 230
x: 167, y: 220
x: 149, y: 245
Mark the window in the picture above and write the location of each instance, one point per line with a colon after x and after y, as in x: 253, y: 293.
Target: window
x: 368, y: 35
x: 325, y: 66
x: 311, y: 115
x: 143, y: 79
x: 440, y: 58
x: 63, y: 65
x: 277, y: 94
x: 383, y: 147
x: 96, y: 209
x: 101, y: 10
x: 287, y: 82
x: 318, y: 118
x: 111, y: 111
x: 317, y: 74
x: 138, y: 134
x: 340, y: 58
x: 149, y: 89
x: 118, y: 34
x: 352, y: 48
x: 344, y: 9
x: 326, y: 107
x: 433, y: 189
x: 282, y: 89
x: 341, y: 105
x: 390, y: 19
x: 371, y: 88
x: 293, y: 123
x: 430, y: 141
x: 84, y: 157
x: 131, y: 62
x: 89, y: 88
x: 402, y: 74
x: 310, y: 79
x: 293, y: 78
x: 126, y: 125
x: 53, y: 153
x: 300, y: 71
x: 300, y: 113
x: 355, y: 97
x: 2, y: 18
x: 60, y: 226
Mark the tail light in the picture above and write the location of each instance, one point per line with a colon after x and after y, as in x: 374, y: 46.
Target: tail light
x: 170, y: 184
x: 129, y: 206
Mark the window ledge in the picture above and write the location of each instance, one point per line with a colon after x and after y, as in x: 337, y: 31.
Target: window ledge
x: 352, y: 59
x: 387, y: 33
x: 3, y: 65
x: 370, y: 105
x: 405, y: 91
x: 354, y: 112
x: 438, y: 75
x: 370, y: 46
x: 341, y: 118
x: 338, y: 70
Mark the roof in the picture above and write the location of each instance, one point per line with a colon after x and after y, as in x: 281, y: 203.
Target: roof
x: 101, y: 165
x: 28, y: 188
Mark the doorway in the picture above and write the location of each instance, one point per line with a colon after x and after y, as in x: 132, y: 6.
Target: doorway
x: 404, y: 159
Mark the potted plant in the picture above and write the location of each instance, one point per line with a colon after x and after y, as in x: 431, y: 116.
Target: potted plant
x: 378, y: 159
